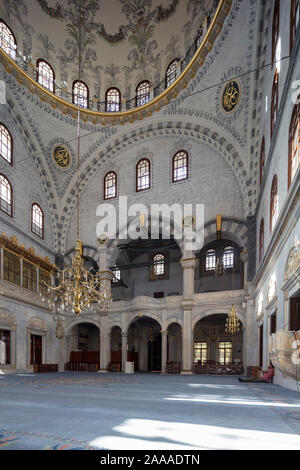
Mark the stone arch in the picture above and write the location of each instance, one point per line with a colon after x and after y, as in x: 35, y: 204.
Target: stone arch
x: 82, y: 320
x: 135, y: 317
x: 87, y: 251
x: 112, y: 245
x: 215, y: 311
x: 232, y: 229
x: 175, y: 128
x: 173, y: 320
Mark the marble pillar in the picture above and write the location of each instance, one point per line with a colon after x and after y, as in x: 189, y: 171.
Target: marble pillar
x: 188, y: 265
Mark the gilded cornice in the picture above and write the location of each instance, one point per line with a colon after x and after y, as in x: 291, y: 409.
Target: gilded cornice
x: 13, y: 245
x: 139, y: 113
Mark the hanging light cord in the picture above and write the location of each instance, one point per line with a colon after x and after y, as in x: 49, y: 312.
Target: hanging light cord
x: 78, y: 120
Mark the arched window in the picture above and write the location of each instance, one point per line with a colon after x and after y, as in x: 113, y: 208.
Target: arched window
x: 7, y: 40
x: 117, y: 274
x: 294, y: 144
x: 159, y: 264
x: 80, y: 94
x: 45, y: 75
x: 228, y: 257
x: 275, y: 28
x: 261, y: 239
x: 142, y: 93
x: 274, y: 203
x: 210, y: 260
x: 274, y: 103
x: 143, y: 175
x: 171, y: 72
x: 5, y: 144
x: 37, y: 220
x: 180, y: 166
x: 6, y: 195
x: 113, y: 100
x: 110, y: 185
x: 262, y: 160
x: 295, y: 17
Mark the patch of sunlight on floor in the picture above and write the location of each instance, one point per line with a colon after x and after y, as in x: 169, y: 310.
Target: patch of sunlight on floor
x: 221, y: 387
x: 239, y: 401
x: 147, y: 434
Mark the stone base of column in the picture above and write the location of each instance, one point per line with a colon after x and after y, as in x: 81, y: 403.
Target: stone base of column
x: 186, y: 372
x: 102, y: 371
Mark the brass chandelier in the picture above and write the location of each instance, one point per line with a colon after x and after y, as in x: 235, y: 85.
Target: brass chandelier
x: 77, y: 289
x: 232, y: 324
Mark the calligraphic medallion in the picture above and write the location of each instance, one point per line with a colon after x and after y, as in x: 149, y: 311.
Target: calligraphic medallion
x: 231, y: 96
x: 61, y: 156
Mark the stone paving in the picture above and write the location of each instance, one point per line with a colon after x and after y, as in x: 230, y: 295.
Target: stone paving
x: 145, y: 411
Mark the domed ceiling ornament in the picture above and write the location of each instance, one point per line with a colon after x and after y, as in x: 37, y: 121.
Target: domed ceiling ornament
x: 61, y: 156
x: 231, y: 96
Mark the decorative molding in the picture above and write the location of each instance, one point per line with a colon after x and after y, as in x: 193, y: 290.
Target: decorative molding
x: 293, y: 263
x: 36, y: 323
x: 132, y: 115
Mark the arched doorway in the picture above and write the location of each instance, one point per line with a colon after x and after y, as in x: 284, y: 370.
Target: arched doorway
x: 83, y: 348
x: 215, y: 351
x: 174, y: 349
x: 144, y: 340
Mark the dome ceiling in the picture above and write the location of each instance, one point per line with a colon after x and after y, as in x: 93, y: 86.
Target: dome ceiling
x: 123, y: 41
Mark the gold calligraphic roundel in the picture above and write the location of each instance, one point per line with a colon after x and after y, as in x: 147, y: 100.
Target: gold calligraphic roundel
x: 61, y: 156
x: 231, y: 96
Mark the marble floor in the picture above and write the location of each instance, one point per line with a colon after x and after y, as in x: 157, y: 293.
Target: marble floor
x: 145, y: 411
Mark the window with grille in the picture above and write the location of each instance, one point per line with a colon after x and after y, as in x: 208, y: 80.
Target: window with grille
x: 37, y: 220
x: 294, y: 144
x: 274, y: 103
x: 159, y: 264
x: 29, y: 276
x: 200, y: 352
x: 295, y: 17
x: 261, y: 239
x: 45, y: 75
x: 5, y: 195
x: 5, y: 144
x: 11, y: 267
x: 117, y: 275
x: 143, y: 175
x: 44, y: 276
x: 180, y: 166
x: 171, y: 72
x: 225, y: 352
x: 210, y: 260
x: 228, y: 257
x: 143, y: 93
x: 113, y: 100
x: 7, y: 40
x: 275, y: 28
x: 274, y: 203
x: 80, y: 94
x: 110, y: 185
x: 262, y: 160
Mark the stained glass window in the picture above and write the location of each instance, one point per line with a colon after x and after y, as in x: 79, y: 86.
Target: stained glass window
x: 110, y: 185
x: 143, y: 93
x: 37, y: 220
x: 113, y: 100
x: 80, y: 94
x: 7, y: 40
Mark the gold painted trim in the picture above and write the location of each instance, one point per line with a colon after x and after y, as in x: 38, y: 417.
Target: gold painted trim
x: 130, y: 116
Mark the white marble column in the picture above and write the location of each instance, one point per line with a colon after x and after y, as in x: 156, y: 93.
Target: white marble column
x: 250, y: 336
x: 104, y: 344
x: 124, y: 350
x: 188, y: 265
x: 164, y: 350
x: 62, y: 354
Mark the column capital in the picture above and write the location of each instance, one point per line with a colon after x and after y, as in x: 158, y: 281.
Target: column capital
x: 189, y: 263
